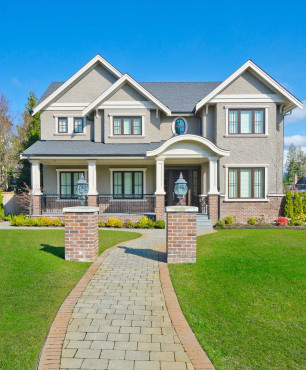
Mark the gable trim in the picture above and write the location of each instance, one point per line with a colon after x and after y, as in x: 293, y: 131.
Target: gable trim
x: 251, y: 65
x: 96, y: 60
x: 116, y: 86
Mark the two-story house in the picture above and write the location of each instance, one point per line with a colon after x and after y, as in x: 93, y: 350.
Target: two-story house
x: 132, y: 139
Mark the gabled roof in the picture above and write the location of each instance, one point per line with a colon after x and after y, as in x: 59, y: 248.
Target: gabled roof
x: 58, y: 89
x: 116, y: 86
x: 263, y: 75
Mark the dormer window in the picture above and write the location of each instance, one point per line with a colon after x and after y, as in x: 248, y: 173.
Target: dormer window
x: 246, y: 121
x: 62, y: 125
x: 127, y: 125
x: 78, y: 126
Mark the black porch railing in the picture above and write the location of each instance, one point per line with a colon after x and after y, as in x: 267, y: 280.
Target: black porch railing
x: 54, y: 203
x: 109, y: 203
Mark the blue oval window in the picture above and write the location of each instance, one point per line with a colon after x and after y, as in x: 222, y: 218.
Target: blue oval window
x: 180, y: 126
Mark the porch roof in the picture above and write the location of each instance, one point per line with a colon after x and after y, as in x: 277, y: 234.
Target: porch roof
x: 86, y: 148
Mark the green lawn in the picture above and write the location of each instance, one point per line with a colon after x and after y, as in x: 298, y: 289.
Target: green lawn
x: 34, y: 281
x: 245, y: 298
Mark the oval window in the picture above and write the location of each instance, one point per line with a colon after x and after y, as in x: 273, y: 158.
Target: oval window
x: 180, y: 126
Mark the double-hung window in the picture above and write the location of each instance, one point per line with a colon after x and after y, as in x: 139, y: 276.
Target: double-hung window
x: 78, y: 126
x: 127, y: 125
x: 246, y: 183
x: 128, y: 184
x: 68, y: 182
x: 62, y: 125
x: 246, y: 121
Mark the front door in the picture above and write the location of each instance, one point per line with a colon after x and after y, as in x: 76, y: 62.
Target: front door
x: 192, y: 176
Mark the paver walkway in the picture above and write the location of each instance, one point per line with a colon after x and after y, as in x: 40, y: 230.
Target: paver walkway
x: 121, y: 320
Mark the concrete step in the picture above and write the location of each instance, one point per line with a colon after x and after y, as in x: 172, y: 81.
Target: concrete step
x: 203, y: 222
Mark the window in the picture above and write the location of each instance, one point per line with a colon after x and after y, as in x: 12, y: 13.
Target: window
x: 180, y: 126
x: 246, y: 183
x: 128, y: 184
x: 78, y: 125
x: 246, y: 121
x: 68, y: 182
x: 127, y: 126
x: 62, y: 125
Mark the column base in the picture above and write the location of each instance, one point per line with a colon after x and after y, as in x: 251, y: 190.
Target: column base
x: 160, y: 207
x: 36, y: 205
x: 213, y: 207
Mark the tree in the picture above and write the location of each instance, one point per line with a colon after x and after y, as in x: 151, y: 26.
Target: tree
x: 28, y: 134
x: 295, y: 164
x: 1, y: 206
x: 8, y: 154
x: 288, y: 205
x: 297, y: 204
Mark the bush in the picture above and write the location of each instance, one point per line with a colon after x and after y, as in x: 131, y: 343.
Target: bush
x: 159, y: 224
x: 297, y: 204
x: 21, y: 220
x: 252, y: 221
x: 1, y: 206
x: 220, y: 223
x: 101, y: 224
x: 145, y: 223
x: 303, y: 196
x: 298, y: 222
x: 288, y: 205
x: 229, y: 220
x: 18, y: 220
x: 282, y: 221
x: 114, y: 222
x: 131, y: 225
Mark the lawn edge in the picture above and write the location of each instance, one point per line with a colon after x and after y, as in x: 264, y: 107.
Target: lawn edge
x: 50, y: 355
x: 195, y: 352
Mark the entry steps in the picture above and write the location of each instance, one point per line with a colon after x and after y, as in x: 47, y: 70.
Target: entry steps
x: 203, y: 222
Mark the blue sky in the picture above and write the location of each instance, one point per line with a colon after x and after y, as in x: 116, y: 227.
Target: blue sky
x: 154, y: 41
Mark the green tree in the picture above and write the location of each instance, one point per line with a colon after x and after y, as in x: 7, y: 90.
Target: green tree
x: 295, y: 164
x: 28, y: 134
x: 297, y: 204
x: 288, y: 205
x: 1, y: 206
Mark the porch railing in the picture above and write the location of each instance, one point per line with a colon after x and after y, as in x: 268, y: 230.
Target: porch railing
x: 108, y: 203
x: 54, y: 203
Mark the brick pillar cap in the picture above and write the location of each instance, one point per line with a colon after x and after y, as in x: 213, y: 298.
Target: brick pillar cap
x: 182, y: 209
x: 80, y: 209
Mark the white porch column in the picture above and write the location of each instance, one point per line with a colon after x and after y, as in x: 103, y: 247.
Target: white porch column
x: 35, y: 177
x: 213, y: 176
x: 92, y: 178
x: 160, y: 174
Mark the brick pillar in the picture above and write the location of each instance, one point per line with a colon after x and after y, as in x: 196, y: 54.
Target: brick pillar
x: 160, y: 207
x: 92, y: 201
x: 36, y: 204
x: 213, y: 207
x: 81, y: 234
x: 181, y: 237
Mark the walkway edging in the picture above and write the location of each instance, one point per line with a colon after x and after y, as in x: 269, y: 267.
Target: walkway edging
x: 50, y: 356
x: 195, y: 352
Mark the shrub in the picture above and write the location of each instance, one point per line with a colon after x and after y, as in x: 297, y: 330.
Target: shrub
x: 288, y: 205
x: 101, y: 224
x: 145, y: 223
x: 220, y: 223
x: 18, y: 220
x: 159, y: 224
x: 229, y: 220
x: 252, y: 221
x: 114, y: 222
x: 298, y: 222
x: 21, y: 220
x: 131, y: 225
x: 303, y: 196
x: 297, y: 204
x: 282, y: 221
x: 1, y: 206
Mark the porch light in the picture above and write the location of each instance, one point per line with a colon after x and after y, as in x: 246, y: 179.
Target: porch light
x: 82, y: 189
x: 180, y: 188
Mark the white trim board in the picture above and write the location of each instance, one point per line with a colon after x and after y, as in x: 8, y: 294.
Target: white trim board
x: 247, y: 98
x: 98, y: 59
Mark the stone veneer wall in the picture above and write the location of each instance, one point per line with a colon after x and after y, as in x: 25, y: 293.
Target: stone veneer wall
x: 241, y: 211
x: 181, y: 237
x: 81, y: 236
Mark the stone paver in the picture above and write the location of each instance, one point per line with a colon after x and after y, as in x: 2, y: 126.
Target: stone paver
x: 121, y: 319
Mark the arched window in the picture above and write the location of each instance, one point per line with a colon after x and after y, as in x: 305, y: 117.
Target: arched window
x: 180, y: 126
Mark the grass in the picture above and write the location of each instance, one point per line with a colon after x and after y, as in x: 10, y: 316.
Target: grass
x: 35, y: 279
x: 245, y: 298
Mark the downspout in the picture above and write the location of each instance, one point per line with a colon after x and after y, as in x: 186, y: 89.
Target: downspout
x: 201, y: 124
x: 218, y: 186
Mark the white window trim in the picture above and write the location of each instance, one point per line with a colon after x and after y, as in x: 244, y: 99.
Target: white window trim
x: 59, y: 170
x: 143, y: 170
x: 111, y: 125
x: 173, y: 126
x: 266, y: 123
x: 265, y: 166
x: 70, y: 122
